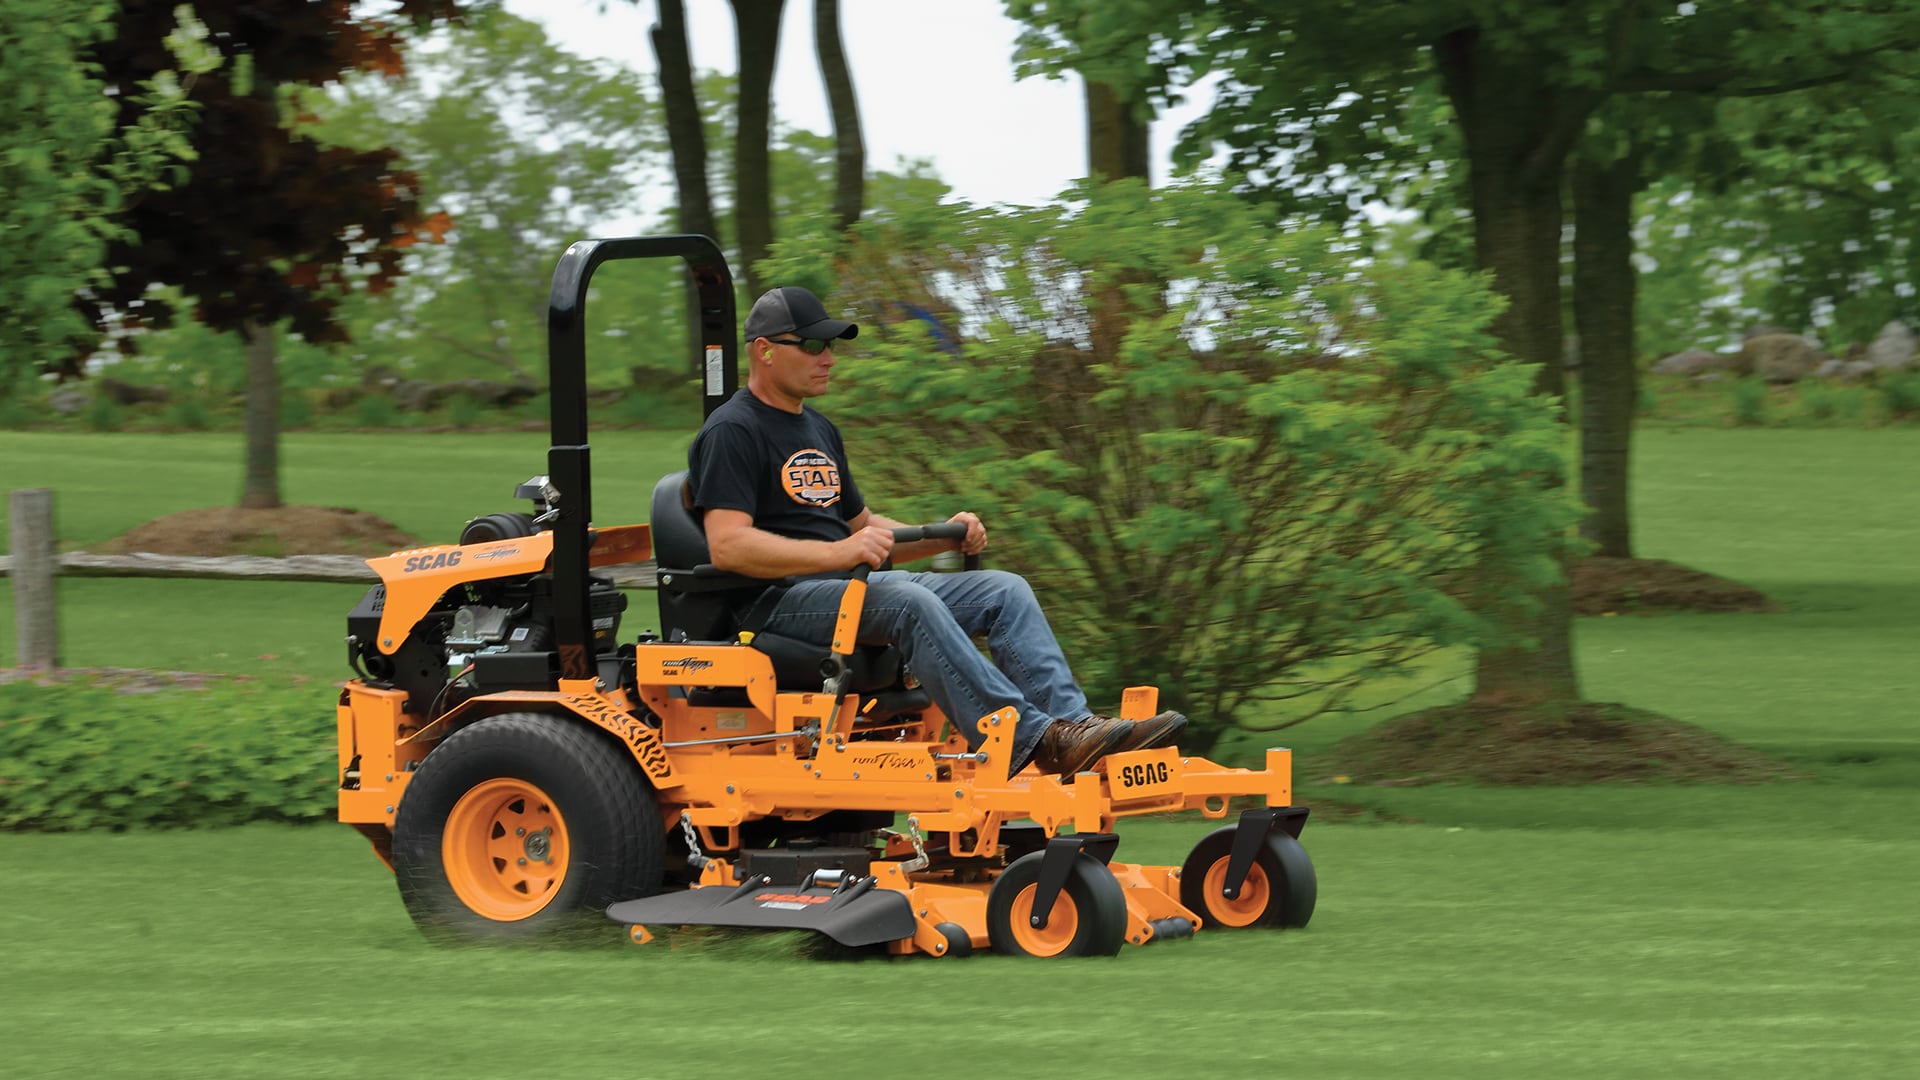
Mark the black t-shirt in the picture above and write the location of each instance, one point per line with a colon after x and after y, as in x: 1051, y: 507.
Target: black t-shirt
x: 788, y: 470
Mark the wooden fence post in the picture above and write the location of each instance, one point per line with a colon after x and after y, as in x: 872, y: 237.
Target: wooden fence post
x: 30, y: 515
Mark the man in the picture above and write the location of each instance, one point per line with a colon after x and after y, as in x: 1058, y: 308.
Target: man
x: 771, y: 477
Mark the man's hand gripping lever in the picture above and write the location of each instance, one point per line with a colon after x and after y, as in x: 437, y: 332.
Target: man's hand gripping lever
x: 836, y: 668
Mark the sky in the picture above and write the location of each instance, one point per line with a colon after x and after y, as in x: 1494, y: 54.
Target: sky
x: 934, y: 77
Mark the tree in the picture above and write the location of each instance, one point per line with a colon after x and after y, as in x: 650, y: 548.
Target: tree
x: 268, y: 225
x: 58, y: 214
x: 1260, y: 484
x: 850, y: 149
x: 527, y: 148
x: 757, y: 41
x: 1312, y: 95
x: 757, y: 37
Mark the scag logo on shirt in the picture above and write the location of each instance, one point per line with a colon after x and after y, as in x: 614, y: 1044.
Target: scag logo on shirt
x: 811, y: 478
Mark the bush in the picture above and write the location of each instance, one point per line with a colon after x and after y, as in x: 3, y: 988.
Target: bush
x: 104, y: 413
x: 1902, y: 394
x: 189, y: 414
x: 1750, y: 402
x: 1233, y: 463
x: 376, y: 411
x: 86, y: 754
x: 296, y: 409
x: 465, y: 410
x: 1825, y: 401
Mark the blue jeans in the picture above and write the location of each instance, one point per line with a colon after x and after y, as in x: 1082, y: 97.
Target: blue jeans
x: 932, y: 619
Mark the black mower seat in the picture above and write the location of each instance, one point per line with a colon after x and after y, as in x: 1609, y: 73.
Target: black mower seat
x: 700, y: 602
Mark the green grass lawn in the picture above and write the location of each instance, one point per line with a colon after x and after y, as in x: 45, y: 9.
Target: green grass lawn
x: 1696, y: 931
x: 427, y: 484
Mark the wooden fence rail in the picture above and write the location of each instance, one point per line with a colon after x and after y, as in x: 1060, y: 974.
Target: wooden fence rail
x: 347, y: 568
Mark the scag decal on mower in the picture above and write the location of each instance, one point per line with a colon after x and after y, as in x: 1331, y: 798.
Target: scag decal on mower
x: 789, y: 901
x: 1144, y: 774
x: 441, y: 561
x: 490, y: 556
x: 686, y: 665
x: 887, y: 760
x: 644, y: 741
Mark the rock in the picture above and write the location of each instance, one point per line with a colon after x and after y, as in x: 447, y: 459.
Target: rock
x: 491, y: 393
x: 1892, y: 348
x: 1693, y: 362
x: 125, y: 393
x: 1780, y: 358
x: 1763, y: 330
x: 415, y: 395
x: 68, y: 399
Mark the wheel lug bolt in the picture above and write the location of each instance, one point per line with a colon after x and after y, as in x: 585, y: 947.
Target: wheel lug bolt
x: 523, y: 862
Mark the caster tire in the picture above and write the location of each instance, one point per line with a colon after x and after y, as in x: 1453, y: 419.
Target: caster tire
x: 1089, y: 917
x: 1280, y: 889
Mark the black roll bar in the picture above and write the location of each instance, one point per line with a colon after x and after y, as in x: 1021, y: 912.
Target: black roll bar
x: 567, y: 464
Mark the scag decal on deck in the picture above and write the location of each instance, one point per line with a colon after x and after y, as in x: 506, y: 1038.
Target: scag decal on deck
x: 494, y: 555
x: 789, y: 901
x: 441, y: 561
x: 686, y: 665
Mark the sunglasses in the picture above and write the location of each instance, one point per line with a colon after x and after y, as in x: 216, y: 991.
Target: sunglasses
x: 805, y: 345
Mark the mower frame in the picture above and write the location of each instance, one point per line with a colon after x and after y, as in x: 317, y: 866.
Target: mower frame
x: 1019, y: 864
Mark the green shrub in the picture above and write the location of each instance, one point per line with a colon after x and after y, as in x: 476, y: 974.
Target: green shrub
x: 296, y: 409
x: 376, y: 411
x: 1750, y: 401
x: 1825, y: 401
x: 1646, y: 400
x: 189, y: 414
x: 538, y: 407
x: 17, y: 410
x: 465, y: 411
x: 1902, y: 394
x: 88, y: 754
x: 1238, y: 465
x: 104, y: 414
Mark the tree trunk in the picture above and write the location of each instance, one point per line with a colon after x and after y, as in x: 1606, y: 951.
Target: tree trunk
x: 850, y: 150
x: 262, y: 486
x: 685, y: 136
x: 1517, y: 131
x: 757, y: 31
x: 1603, y: 299
x: 687, y: 140
x: 1117, y: 144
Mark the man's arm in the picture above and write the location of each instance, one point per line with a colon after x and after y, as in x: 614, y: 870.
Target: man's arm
x: 974, y: 544
x: 738, y: 546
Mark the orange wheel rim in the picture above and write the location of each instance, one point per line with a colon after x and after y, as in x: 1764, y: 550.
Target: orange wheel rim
x: 1052, y: 940
x: 505, y: 850
x: 1242, y: 910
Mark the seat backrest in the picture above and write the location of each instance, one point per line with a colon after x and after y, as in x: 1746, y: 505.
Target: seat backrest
x: 678, y: 539
x: 700, y: 609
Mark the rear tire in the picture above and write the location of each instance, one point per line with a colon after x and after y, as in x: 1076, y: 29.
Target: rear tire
x: 1280, y: 889
x: 524, y: 826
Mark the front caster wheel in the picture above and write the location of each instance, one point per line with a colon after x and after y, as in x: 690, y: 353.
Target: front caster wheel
x: 1089, y: 916
x: 1279, y: 890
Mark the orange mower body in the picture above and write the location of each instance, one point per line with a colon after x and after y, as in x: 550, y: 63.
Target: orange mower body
x: 525, y: 772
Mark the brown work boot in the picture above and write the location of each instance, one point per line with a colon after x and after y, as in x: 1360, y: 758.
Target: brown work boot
x: 1070, y: 746
x: 1156, y: 731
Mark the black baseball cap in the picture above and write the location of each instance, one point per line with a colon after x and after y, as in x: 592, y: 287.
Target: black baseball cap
x: 794, y: 310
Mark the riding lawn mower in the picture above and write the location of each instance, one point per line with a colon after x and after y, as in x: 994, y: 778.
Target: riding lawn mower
x: 527, y: 773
